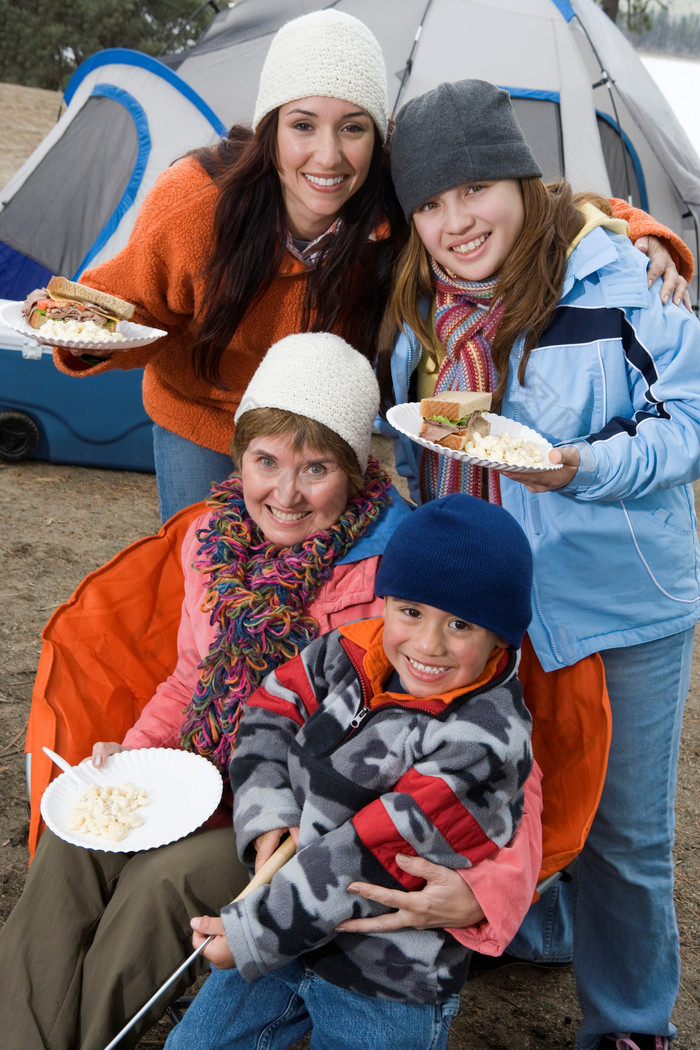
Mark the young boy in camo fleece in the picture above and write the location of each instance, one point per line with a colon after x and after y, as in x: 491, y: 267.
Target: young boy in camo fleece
x: 401, y: 734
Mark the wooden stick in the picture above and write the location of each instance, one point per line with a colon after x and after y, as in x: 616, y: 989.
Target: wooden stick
x: 279, y: 858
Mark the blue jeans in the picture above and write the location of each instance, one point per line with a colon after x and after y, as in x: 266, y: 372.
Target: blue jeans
x: 625, y: 936
x: 547, y: 931
x: 276, y: 1010
x: 184, y: 471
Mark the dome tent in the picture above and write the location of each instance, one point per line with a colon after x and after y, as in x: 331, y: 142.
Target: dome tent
x: 75, y: 199
x: 72, y: 203
x: 588, y: 108
x: 587, y: 105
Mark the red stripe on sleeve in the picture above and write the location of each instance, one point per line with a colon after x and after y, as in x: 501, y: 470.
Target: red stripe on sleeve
x: 442, y: 807
x: 261, y: 698
x: 449, y: 815
x: 291, y: 676
x: 380, y: 836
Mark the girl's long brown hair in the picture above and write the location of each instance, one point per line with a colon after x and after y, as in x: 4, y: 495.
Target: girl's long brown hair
x: 346, y: 291
x: 530, y: 282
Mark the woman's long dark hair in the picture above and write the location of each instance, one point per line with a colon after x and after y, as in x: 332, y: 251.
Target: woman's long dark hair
x: 347, y: 289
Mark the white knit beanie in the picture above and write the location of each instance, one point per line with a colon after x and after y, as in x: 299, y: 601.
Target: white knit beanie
x: 325, y: 53
x: 318, y: 375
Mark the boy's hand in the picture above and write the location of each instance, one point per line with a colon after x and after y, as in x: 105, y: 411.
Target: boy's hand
x: 266, y: 844
x: 444, y: 901
x: 548, y: 480
x: 217, y: 951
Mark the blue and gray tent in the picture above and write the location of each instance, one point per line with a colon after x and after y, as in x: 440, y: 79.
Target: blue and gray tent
x: 587, y: 106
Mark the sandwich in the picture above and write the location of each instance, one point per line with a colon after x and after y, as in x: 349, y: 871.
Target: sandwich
x: 453, y: 417
x: 64, y: 300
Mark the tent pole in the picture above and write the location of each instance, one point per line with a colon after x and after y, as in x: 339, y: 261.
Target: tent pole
x: 409, y: 61
x: 607, y: 81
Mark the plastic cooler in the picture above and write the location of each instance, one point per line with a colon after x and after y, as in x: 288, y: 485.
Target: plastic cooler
x: 95, y: 422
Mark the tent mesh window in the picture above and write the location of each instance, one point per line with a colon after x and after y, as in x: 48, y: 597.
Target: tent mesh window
x: 61, y: 208
x: 620, y: 164
x: 540, y: 120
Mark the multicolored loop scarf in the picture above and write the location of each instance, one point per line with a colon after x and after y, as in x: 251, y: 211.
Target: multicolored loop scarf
x: 257, y: 597
x: 465, y: 323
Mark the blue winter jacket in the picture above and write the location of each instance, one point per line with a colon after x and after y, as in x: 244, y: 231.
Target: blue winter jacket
x: 616, y: 374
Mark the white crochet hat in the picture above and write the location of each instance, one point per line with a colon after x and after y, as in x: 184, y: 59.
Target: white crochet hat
x: 318, y: 375
x: 326, y: 53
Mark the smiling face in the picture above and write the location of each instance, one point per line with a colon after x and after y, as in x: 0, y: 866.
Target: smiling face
x: 324, y: 152
x: 471, y: 229
x: 291, y: 495
x: 434, y: 651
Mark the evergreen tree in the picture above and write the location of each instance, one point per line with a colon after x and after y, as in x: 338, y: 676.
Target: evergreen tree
x: 43, y: 43
x: 636, y: 15
x: 654, y: 28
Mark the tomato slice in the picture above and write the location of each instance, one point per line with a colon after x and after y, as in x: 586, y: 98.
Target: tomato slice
x: 44, y: 304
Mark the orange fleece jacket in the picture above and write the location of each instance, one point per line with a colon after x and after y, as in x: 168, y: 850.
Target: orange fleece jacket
x: 160, y: 270
x: 641, y: 224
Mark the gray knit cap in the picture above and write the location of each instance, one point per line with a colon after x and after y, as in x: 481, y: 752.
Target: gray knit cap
x: 318, y: 375
x: 457, y: 133
x: 327, y: 53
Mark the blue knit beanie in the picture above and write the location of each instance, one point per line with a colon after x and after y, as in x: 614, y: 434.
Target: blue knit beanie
x: 467, y: 557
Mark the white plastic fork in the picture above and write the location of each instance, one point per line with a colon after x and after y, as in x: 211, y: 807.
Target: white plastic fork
x: 81, y: 775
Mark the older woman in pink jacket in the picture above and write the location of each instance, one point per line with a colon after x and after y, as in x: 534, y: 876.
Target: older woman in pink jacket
x: 287, y: 549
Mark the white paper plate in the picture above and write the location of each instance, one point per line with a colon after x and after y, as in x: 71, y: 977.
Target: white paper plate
x: 183, y: 790
x: 134, y: 334
x: 406, y: 418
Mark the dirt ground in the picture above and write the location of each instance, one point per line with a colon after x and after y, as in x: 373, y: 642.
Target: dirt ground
x: 57, y: 523
x: 26, y: 116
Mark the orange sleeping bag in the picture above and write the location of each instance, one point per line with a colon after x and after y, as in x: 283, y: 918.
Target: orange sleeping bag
x: 104, y: 652
x: 571, y: 730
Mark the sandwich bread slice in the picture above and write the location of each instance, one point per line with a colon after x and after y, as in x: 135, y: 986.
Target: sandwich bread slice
x: 451, y: 417
x: 64, y: 300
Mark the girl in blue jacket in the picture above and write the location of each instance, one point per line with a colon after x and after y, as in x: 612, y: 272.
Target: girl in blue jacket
x: 515, y: 287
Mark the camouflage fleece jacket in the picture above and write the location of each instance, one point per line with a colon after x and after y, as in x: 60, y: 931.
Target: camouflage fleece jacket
x: 367, y: 773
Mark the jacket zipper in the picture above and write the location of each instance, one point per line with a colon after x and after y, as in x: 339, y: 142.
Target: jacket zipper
x: 364, y: 710
x: 527, y: 520
x: 359, y: 717
x: 412, y: 359
x: 355, y: 724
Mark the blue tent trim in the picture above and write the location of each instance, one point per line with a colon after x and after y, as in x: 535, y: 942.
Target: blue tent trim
x: 127, y: 56
x: 545, y: 96
x: 565, y: 8
x: 143, y: 136
x: 554, y: 96
x: 634, y: 156
x: 20, y: 272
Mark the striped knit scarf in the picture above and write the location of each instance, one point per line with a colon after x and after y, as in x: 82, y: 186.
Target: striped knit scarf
x: 257, y: 598
x: 465, y: 323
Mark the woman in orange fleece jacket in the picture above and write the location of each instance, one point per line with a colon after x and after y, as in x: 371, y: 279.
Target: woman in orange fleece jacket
x: 293, y: 226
